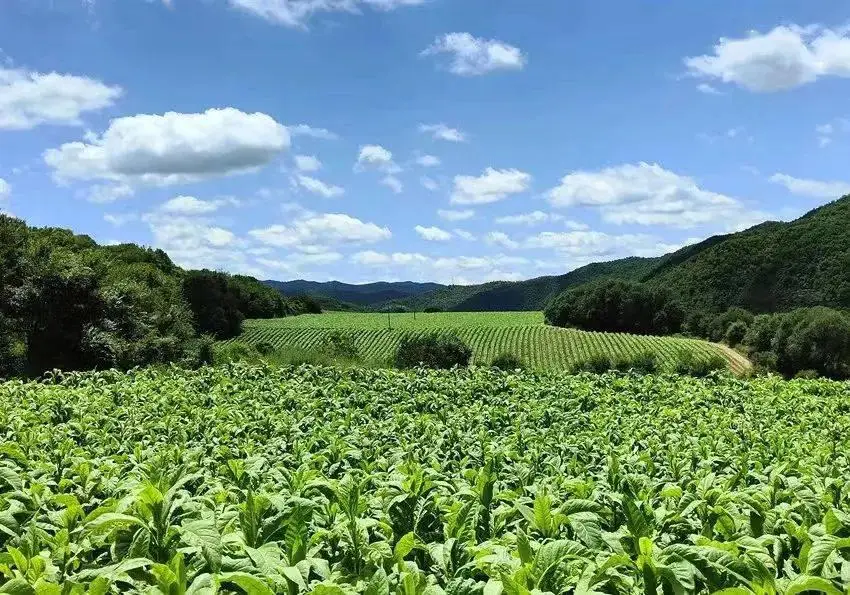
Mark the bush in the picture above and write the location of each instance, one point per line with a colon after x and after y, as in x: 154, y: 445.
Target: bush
x: 265, y: 348
x: 340, y: 344
x: 688, y: 364
x: 205, y: 351
x: 235, y: 351
x: 598, y: 363
x: 507, y: 362
x: 764, y: 361
x: 736, y: 332
x: 721, y: 323
x: 432, y: 310
x: 807, y: 375
x: 432, y: 351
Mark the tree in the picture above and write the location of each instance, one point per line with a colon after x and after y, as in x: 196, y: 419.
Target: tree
x: 432, y: 351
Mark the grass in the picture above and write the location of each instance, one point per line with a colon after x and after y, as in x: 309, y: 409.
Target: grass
x: 489, y: 334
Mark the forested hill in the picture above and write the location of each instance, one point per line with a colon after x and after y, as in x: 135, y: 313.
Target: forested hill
x: 68, y: 303
x: 770, y: 267
x: 350, y: 295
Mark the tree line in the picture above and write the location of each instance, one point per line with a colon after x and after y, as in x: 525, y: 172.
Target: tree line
x: 68, y: 303
x: 803, y: 341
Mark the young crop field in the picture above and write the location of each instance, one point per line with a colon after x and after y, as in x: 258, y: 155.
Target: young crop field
x: 488, y: 334
x: 330, y: 481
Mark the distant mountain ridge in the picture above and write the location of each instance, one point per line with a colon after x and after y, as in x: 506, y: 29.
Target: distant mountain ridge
x: 773, y: 266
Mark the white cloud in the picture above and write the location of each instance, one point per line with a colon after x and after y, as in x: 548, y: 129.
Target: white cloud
x: 645, y: 194
x: 812, y: 188
x: 784, y: 58
x: 452, y: 215
x: 318, y: 187
x: 189, y: 206
x: 428, y: 160
x: 295, y: 261
x: 498, y: 238
x: 458, y: 270
x: 296, y: 13
x: 172, y: 148
x: 193, y: 242
x: 492, y: 186
x: 321, y: 229
x: 307, y: 163
x: 5, y: 191
x: 533, y: 218
x: 107, y: 193
x: 429, y: 184
x: 464, y: 235
x: 306, y: 130
x: 708, y: 89
x: 578, y: 248
x: 827, y: 131
x: 443, y: 132
x: 120, y: 219
x: 376, y: 156
x: 433, y: 234
x: 472, y: 56
x: 28, y: 99
x: 393, y: 183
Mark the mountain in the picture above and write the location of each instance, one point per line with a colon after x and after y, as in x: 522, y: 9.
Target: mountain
x: 773, y: 266
x: 366, y: 295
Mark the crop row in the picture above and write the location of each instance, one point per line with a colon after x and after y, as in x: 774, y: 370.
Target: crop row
x: 541, y: 347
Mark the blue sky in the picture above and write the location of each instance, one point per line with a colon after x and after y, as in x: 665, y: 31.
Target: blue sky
x: 444, y: 140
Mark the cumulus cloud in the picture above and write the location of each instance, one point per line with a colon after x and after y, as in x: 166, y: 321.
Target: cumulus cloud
x: 376, y: 157
x: 321, y: 229
x: 812, y: 188
x: 119, y: 219
x: 473, y: 56
x: 464, y: 235
x: 429, y: 184
x: 458, y: 270
x: 393, y: 183
x: 577, y: 248
x: 194, y: 242
x: 107, y: 193
x: 306, y: 130
x: 318, y: 187
x: 492, y: 186
x: 533, y: 218
x: 498, y: 238
x: 433, y: 234
x: 443, y: 132
x: 646, y: 194
x: 308, y: 163
x: 453, y: 215
x: 428, y: 160
x: 189, y: 205
x: 296, y: 13
x: 28, y: 99
x: 172, y: 148
x: 5, y: 192
x: 784, y: 58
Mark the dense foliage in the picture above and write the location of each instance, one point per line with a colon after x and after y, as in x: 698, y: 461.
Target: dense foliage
x: 335, y: 482
x: 617, y: 306
x: 432, y: 350
x: 488, y: 334
x: 68, y: 303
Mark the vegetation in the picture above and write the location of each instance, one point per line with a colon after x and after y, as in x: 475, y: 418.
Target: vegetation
x: 617, y: 306
x: 68, y: 303
x: 507, y: 362
x: 541, y: 347
x: 432, y: 350
x: 340, y: 481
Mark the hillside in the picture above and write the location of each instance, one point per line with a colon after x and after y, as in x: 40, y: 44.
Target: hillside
x: 770, y: 267
x: 349, y: 295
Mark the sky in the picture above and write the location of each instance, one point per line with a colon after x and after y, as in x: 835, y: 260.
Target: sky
x: 456, y: 141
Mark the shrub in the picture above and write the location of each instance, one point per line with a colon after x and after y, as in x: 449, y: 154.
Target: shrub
x: 735, y: 333
x: 264, y: 348
x: 645, y: 362
x: 432, y: 351
x: 235, y: 351
x: 507, y: 362
x: 688, y: 364
x: 205, y: 350
x: 432, y: 309
x: 598, y: 363
x: 764, y: 361
x: 340, y: 344
x: 721, y: 323
x: 807, y: 375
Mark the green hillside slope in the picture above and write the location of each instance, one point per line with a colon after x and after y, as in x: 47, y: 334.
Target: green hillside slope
x: 770, y: 267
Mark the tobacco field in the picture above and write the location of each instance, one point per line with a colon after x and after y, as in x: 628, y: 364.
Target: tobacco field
x: 326, y: 481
